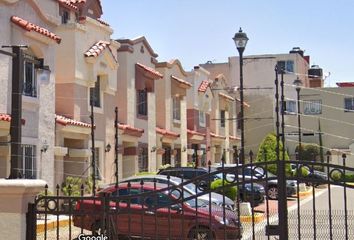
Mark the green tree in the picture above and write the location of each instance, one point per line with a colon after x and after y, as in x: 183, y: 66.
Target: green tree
x: 267, y: 152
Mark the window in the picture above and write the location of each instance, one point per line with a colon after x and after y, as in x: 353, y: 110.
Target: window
x: 142, y: 102
x: 166, y: 157
x: 95, y: 95
x: 201, y: 118
x: 288, y: 66
x: 29, y: 161
x: 222, y: 118
x: 176, y: 108
x: 65, y: 15
x: 143, y: 159
x: 349, y: 104
x: 30, y: 81
x: 290, y: 107
x: 313, y: 107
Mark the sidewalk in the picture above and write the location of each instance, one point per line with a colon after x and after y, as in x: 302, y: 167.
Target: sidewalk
x: 52, y: 222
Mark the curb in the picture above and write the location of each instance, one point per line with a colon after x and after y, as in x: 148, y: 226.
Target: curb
x: 52, y: 225
x: 258, y: 217
x: 305, y: 193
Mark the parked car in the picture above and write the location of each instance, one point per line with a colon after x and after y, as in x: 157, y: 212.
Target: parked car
x: 246, y: 191
x: 157, y: 215
x: 271, y: 185
x: 215, y: 198
x: 313, y: 178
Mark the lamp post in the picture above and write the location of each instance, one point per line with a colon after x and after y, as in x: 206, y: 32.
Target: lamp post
x: 240, y: 40
x: 298, y: 83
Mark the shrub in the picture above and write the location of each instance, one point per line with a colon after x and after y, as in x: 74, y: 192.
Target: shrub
x: 164, y: 166
x: 145, y: 173
x: 304, y: 172
x: 309, y: 152
x: 229, y: 191
x: 72, y: 186
x: 267, y: 152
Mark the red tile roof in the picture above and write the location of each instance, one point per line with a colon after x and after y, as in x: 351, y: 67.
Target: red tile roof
x: 345, y: 84
x: 217, y: 136
x: 203, y: 86
x: 167, y: 133
x: 181, y: 81
x: 244, y: 103
x: 68, y: 3
x: 130, y: 130
x: 96, y: 49
x: 7, y: 118
x: 235, y: 138
x: 226, y: 96
x: 32, y: 27
x: 68, y: 121
x: 191, y: 132
x: 102, y: 22
x: 150, y: 70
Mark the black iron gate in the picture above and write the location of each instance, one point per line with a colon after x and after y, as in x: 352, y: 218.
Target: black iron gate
x: 295, y: 204
x: 315, y: 208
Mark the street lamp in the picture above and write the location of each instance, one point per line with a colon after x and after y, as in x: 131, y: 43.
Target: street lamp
x: 298, y: 83
x: 240, y: 40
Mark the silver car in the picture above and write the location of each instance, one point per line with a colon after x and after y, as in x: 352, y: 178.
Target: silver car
x: 190, y: 188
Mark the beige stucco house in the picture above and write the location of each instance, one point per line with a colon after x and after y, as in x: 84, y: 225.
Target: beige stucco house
x: 31, y: 23
x: 223, y: 140
x: 136, y: 101
x: 87, y: 70
x: 171, y: 120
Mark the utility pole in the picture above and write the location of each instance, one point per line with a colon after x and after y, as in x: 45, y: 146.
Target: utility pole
x: 116, y: 146
x: 93, y: 150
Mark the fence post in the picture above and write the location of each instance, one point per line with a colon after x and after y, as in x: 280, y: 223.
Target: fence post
x: 31, y: 220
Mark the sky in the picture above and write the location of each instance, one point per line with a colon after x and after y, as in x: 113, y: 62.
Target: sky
x: 197, y: 31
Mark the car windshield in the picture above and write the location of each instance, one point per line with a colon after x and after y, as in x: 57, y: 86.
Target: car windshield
x: 191, y: 187
x: 193, y: 202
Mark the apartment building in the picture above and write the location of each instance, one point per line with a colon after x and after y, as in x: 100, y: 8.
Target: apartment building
x: 327, y: 112
x: 32, y: 24
x: 259, y: 76
x: 86, y: 64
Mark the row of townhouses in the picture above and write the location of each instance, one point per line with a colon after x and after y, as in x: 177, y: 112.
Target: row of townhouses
x: 166, y: 115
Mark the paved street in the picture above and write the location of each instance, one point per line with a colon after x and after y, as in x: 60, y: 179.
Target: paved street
x: 308, y: 217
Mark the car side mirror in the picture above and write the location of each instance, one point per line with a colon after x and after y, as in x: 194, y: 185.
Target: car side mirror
x: 176, y: 207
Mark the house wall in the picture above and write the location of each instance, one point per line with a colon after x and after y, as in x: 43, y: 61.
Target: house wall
x: 38, y: 112
x: 336, y: 124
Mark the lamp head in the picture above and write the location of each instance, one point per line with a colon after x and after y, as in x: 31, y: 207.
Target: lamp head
x: 297, y: 83
x: 240, y: 40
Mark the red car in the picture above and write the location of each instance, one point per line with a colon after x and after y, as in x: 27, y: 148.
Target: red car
x: 155, y: 214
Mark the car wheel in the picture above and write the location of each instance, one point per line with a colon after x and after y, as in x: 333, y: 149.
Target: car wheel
x: 272, y: 192
x: 200, y: 234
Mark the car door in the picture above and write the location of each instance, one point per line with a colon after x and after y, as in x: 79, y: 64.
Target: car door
x: 128, y: 216
x: 163, y: 218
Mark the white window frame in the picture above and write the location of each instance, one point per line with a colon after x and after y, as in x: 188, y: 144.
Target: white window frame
x: 201, y: 118
x: 352, y: 105
x: 29, y: 148
x: 222, y: 119
x: 312, y: 107
x: 34, y: 89
x: 176, y: 109
x: 290, y: 108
